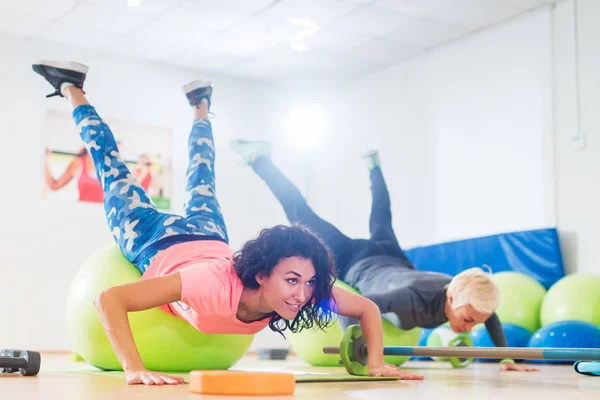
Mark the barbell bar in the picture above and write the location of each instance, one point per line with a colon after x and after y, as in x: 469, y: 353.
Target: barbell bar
x: 354, y: 353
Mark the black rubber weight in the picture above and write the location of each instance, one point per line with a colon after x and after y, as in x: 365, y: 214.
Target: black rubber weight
x: 33, y: 360
x: 33, y: 365
x: 9, y: 353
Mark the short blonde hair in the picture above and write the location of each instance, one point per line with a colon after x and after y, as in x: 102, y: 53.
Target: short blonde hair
x: 475, y: 287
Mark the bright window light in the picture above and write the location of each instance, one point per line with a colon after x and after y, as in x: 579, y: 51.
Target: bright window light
x: 299, y: 47
x: 134, y: 3
x: 306, y: 128
x: 309, y: 27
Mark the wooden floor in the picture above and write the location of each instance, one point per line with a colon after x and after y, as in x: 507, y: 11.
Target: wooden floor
x: 59, y: 379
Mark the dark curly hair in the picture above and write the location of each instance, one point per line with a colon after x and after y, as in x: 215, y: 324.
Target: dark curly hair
x: 261, y: 255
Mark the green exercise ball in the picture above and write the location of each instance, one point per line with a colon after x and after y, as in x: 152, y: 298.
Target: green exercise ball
x: 165, y: 342
x: 394, y: 336
x: 521, y: 299
x: 308, y: 344
x: 575, y: 297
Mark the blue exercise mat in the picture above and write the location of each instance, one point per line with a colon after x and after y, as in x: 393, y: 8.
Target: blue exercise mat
x: 535, y: 253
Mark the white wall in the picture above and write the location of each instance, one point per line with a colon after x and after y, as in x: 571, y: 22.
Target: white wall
x: 43, y: 243
x: 492, y: 108
x: 465, y: 134
x: 388, y: 112
x: 577, y: 101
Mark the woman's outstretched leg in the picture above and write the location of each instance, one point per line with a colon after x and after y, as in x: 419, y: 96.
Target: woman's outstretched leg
x: 133, y: 220
x: 380, y: 221
x: 297, y: 210
x: 201, y: 206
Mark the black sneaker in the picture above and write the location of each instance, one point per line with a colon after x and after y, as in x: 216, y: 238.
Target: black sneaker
x: 197, y: 91
x: 58, y: 72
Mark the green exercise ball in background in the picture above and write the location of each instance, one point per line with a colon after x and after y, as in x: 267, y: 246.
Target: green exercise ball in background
x: 309, y: 343
x: 575, y: 297
x: 444, y: 336
x: 394, y: 336
x: 521, y: 299
x: 165, y: 342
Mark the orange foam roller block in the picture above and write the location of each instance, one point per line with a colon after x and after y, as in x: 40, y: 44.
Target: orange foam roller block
x: 242, y: 383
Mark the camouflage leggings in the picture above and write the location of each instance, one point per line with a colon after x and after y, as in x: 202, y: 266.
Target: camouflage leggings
x: 136, y: 225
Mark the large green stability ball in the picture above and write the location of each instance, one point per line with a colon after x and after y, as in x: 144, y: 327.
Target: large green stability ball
x: 574, y: 297
x: 309, y: 343
x: 165, y: 342
x: 521, y: 299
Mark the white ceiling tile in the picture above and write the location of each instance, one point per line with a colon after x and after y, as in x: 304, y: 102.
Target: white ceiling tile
x: 361, y: 1
x: 380, y: 51
x: 44, y: 8
x: 478, y: 13
x: 251, y: 38
x: 17, y: 23
x: 81, y: 26
x: 426, y: 33
x: 97, y: 20
x: 77, y: 35
x: 280, y: 58
x: 145, y: 48
x: 370, y: 21
x: 419, y: 7
x: 170, y: 30
x: 233, y: 44
x: 207, y: 15
x: 244, y: 6
x: 204, y: 62
x: 146, y: 7
x: 267, y: 28
x: 318, y: 11
x: 530, y: 4
x: 334, y: 42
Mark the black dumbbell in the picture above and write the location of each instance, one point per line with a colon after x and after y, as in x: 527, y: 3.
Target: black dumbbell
x: 24, y: 361
x: 9, y: 353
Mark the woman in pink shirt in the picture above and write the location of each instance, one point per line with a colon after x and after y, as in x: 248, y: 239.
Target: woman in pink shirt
x: 283, y: 279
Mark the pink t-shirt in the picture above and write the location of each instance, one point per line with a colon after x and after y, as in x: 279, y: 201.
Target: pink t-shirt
x: 210, y: 287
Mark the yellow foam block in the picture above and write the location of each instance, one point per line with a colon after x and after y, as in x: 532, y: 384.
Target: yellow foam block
x: 242, y: 383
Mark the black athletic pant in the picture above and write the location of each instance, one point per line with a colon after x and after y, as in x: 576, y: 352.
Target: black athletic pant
x: 347, y: 251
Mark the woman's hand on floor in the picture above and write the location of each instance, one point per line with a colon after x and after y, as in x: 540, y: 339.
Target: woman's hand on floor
x: 518, y: 367
x: 145, y: 377
x: 392, y: 370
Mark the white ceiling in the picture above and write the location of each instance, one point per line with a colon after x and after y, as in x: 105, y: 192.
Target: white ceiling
x: 252, y: 38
